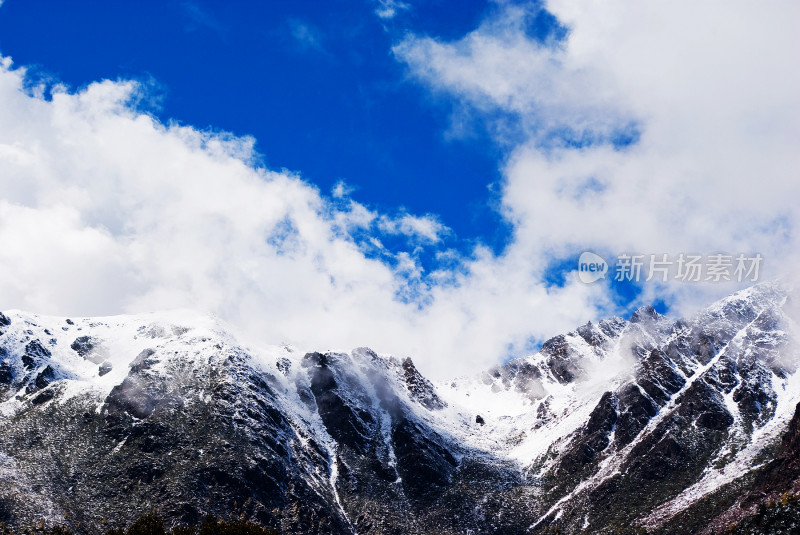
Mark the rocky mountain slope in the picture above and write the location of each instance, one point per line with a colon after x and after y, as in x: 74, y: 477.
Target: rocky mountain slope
x: 645, y: 425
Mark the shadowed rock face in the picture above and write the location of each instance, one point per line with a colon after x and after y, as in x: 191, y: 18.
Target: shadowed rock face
x: 35, y: 354
x: 563, y: 363
x: 190, y: 424
x: 6, y: 373
x: 83, y: 345
x: 783, y: 472
x: 349, y: 425
x: 420, y: 388
x: 593, y: 438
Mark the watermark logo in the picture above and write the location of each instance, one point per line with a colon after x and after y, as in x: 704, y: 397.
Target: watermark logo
x: 591, y: 267
x: 663, y: 268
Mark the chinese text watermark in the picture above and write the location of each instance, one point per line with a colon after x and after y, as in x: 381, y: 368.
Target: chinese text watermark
x: 664, y: 267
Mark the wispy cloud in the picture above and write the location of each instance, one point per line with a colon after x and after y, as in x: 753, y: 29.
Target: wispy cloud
x: 388, y: 9
x: 425, y: 228
x: 200, y: 18
x: 305, y: 35
x: 341, y: 190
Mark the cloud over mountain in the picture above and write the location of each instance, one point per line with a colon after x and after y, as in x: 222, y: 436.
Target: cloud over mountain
x: 647, y: 129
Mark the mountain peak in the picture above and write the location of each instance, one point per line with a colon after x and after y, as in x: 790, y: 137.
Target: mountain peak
x: 644, y: 314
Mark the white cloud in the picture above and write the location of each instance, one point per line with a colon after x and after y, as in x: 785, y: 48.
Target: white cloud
x: 387, y: 9
x: 498, y: 66
x: 341, y: 190
x: 105, y: 210
x: 426, y: 228
x: 713, y: 91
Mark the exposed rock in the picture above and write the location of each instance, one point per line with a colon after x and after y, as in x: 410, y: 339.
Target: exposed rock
x: 645, y: 314
x: 420, y: 388
x: 43, y: 397
x: 562, y: 361
x: 143, y: 361
x: 44, y: 378
x: 635, y: 410
x: 104, y: 368
x: 86, y: 347
x: 6, y: 373
x: 35, y: 353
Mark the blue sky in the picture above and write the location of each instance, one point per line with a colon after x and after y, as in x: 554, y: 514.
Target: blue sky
x: 314, y: 82
x: 424, y: 174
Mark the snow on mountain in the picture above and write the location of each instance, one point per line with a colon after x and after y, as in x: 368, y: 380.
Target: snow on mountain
x: 616, y: 424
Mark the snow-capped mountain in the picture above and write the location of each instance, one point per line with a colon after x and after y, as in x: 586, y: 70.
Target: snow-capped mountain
x: 645, y: 424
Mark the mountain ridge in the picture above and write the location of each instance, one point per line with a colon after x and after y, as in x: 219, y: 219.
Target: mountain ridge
x: 615, y: 425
